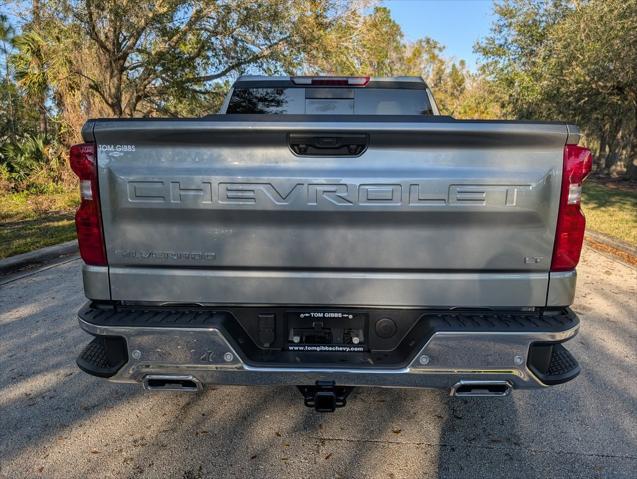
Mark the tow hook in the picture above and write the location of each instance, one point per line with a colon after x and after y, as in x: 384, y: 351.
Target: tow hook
x: 325, y: 396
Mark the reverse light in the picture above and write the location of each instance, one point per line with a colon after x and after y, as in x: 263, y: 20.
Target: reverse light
x: 331, y: 81
x: 569, y: 235
x: 88, y: 221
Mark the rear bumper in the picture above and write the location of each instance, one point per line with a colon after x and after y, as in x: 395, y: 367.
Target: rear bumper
x: 512, y: 347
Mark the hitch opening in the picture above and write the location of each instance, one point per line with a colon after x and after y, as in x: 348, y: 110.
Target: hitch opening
x: 325, y: 396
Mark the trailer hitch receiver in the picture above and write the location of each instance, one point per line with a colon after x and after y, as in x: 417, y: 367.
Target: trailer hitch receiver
x: 325, y: 396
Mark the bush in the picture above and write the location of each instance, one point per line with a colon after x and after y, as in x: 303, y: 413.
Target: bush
x: 22, y: 156
x: 34, y: 165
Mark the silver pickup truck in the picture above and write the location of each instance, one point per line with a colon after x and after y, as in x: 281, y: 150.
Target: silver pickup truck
x: 330, y: 232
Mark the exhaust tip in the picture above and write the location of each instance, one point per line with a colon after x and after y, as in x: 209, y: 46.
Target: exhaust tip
x: 171, y: 383
x: 481, y: 388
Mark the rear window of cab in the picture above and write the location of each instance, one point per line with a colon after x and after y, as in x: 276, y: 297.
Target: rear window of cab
x: 332, y: 101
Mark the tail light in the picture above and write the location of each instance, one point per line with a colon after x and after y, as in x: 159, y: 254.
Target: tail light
x: 569, y: 236
x: 88, y: 221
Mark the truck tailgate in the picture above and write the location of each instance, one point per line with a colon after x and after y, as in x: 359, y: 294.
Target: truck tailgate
x: 226, y: 197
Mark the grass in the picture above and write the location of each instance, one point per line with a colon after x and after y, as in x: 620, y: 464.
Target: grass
x: 30, y: 221
x: 611, y: 210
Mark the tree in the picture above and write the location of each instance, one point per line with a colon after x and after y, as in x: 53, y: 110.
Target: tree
x: 358, y: 44
x: 374, y: 44
x: 147, y: 53
x: 574, y: 61
x: 31, y: 73
x: 39, y: 65
x: 8, y: 117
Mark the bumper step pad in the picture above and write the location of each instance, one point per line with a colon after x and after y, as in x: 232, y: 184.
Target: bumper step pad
x: 561, y: 366
x: 103, y: 356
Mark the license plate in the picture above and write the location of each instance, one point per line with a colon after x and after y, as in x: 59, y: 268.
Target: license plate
x: 327, y: 331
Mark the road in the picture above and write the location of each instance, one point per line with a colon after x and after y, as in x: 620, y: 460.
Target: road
x: 56, y: 421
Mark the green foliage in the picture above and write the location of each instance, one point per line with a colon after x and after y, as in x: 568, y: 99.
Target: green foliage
x: 360, y: 45
x: 30, y: 64
x: 16, y: 117
x: 31, y: 163
x: 374, y: 45
x: 22, y: 156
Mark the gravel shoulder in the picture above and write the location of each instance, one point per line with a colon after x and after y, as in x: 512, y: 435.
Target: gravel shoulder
x: 56, y: 421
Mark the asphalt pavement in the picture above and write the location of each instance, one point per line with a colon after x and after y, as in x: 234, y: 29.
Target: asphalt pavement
x: 56, y: 421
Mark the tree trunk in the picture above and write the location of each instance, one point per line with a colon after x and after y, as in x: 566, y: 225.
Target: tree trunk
x: 43, y: 124
x: 7, y: 79
x: 612, y: 159
x: 631, y: 168
x: 613, y: 144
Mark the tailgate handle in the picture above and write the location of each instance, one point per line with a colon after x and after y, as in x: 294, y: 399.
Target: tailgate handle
x: 327, y: 144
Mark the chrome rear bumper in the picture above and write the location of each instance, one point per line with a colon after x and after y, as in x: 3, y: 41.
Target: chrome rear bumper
x: 447, y: 359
